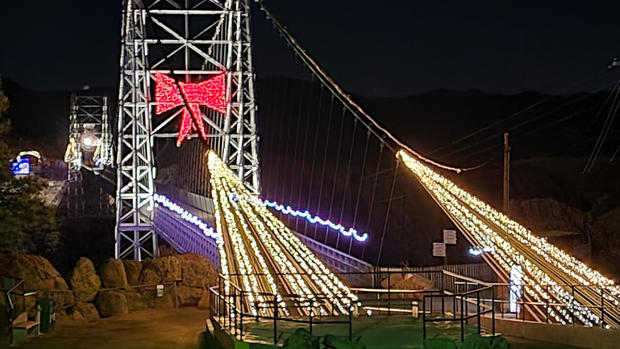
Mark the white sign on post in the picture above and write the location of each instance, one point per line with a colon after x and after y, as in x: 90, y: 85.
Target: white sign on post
x: 439, y: 249
x: 449, y: 237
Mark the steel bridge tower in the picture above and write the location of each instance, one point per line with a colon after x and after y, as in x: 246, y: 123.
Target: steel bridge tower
x: 190, y: 41
x: 90, y: 145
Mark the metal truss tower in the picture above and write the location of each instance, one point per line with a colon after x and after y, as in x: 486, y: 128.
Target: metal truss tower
x: 189, y: 41
x: 90, y: 145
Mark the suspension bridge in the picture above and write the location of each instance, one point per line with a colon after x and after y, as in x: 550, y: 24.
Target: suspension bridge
x: 189, y: 171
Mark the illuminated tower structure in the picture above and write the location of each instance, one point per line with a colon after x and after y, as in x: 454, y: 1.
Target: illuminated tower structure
x: 171, y: 52
x: 90, y: 145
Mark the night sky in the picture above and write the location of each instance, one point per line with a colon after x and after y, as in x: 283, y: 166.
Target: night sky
x: 405, y: 47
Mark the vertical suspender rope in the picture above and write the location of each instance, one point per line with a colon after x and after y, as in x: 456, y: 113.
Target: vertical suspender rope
x: 346, y: 178
x: 293, y: 161
x: 289, y: 135
x: 327, y: 138
x: 331, y: 201
x: 359, y: 189
x: 303, y: 152
x: 316, y: 141
x: 387, y: 212
x: 374, y: 192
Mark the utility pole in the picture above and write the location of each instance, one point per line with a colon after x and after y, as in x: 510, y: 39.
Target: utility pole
x: 506, y: 197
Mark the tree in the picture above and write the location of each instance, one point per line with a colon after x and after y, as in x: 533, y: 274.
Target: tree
x: 26, y: 222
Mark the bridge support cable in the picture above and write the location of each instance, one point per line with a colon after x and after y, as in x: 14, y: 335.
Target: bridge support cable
x: 550, y: 275
x: 354, y: 108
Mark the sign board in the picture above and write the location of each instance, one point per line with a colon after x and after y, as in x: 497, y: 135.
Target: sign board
x: 439, y: 249
x: 160, y: 290
x: 515, y: 287
x: 21, y: 166
x: 449, y: 237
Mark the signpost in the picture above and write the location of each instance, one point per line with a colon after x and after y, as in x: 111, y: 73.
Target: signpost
x: 439, y: 249
x: 449, y: 236
x: 21, y: 166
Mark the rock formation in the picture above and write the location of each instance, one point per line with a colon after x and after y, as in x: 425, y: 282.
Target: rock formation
x: 85, y: 281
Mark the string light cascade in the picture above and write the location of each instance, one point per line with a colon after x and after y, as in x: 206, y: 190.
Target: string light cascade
x: 251, y: 230
x: 510, y: 244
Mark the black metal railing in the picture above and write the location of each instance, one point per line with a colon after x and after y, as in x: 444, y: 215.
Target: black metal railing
x: 461, y: 309
x: 231, y: 309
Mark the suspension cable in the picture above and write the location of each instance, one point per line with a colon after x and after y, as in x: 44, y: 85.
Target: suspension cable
x: 345, y: 99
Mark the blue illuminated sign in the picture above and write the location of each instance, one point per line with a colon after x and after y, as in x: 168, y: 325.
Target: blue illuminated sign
x: 21, y: 166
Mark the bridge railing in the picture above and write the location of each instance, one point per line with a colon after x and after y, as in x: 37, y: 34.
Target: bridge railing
x: 231, y: 310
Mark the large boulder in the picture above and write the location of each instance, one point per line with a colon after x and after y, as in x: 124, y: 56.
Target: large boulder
x: 85, y: 281
x: 137, y: 300
x: 164, y: 302
x: 204, y: 302
x: 408, y: 282
x: 197, y: 271
x: 149, y: 277
x: 548, y: 215
x: 168, y: 268
x: 38, y: 275
x: 113, y: 274
x: 132, y: 270
x: 87, y: 310
x: 188, y: 296
x: 112, y: 302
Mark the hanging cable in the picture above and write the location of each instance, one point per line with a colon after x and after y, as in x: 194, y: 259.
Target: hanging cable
x: 346, y: 177
x: 374, y: 192
x: 603, y: 134
x: 387, y: 211
x: 359, y: 189
x: 316, y: 141
x: 331, y: 201
x: 345, y: 99
x: 303, y: 156
x: 519, y: 125
x: 329, y: 122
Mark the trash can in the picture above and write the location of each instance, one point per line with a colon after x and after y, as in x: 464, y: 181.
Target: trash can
x: 48, y: 315
x: 414, y: 309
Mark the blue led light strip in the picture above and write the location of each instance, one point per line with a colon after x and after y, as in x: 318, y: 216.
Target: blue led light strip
x: 316, y: 219
x: 188, y: 217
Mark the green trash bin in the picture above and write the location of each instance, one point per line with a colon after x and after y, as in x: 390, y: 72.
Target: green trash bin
x: 48, y: 315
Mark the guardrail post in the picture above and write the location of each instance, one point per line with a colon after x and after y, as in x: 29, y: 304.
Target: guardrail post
x: 493, y: 310
x: 443, y: 307
x: 350, y: 322
x: 572, y: 303
x: 241, y: 322
x: 424, y: 316
x: 602, y: 307
x: 310, y: 313
x: 453, y: 306
x: 478, y: 309
x: 547, y: 305
x: 234, y: 309
x: 462, y: 333
x: 466, y: 307
x: 389, y: 295
x: 275, y: 320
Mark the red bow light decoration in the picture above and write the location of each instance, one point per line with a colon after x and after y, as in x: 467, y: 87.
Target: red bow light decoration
x: 210, y: 93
